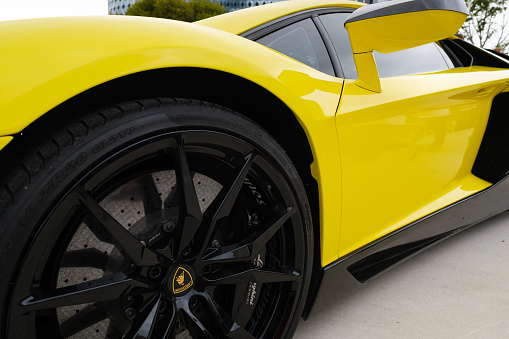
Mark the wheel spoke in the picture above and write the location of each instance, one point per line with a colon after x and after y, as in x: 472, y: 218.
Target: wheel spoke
x: 171, y: 322
x: 86, y: 317
x: 194, y: 325
x: 152, y: 201
x: 96, y: 228
x: 88, y: 257
x: 231, y: 192
x: 128, y: 245
x: 189, y: 206
x: 102, y: 289
x: 229, y: 327
x: 145, y: 321
x: 248, y: 274
x: 250, y: 247
x: 113, y: 331
x: 223, y: 203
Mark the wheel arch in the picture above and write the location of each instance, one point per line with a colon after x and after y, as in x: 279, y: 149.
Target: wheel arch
x: 225, y: 89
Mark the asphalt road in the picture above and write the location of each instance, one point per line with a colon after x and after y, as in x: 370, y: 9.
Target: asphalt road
x: 456, y: 289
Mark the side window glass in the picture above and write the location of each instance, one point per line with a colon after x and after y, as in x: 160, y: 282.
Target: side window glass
x: 302, y: 42
x: 422, y: 59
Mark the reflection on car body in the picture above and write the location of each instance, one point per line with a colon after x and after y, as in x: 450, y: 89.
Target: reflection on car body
x: 224, y: 178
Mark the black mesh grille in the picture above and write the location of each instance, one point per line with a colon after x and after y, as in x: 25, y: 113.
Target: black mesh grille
x: 492, y: 162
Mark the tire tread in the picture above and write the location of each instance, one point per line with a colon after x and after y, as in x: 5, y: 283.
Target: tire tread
x: 21, y: 173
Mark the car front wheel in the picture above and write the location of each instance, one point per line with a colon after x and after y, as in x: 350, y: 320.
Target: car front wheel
x: 161, y: 218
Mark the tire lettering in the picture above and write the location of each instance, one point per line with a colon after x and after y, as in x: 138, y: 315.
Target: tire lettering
x: 58, y: 178
x: 69, y: 168
x: 30, y: 211
x: 80, y: 160
x: 112, y: 139
x: 22, y: 224
x: 99, y: 147
x: 46, y: 191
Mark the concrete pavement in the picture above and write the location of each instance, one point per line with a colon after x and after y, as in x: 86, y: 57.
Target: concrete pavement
x: 456, y: 289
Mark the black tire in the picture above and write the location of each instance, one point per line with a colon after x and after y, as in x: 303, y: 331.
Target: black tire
x: 154, y: 218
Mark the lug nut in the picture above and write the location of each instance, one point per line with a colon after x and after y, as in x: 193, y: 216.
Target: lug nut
x: 169, y: 226
x: 207, y: 269
x: 155, y: 272
x: 130, y: 313
x: 215, y: 243
x: 186, y: 251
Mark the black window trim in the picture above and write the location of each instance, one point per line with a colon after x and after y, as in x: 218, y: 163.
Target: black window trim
x: 457, y: 62
x: 447, y: 58
x: 444, y: 43
x: 274, y: 25
x: 336, y: 64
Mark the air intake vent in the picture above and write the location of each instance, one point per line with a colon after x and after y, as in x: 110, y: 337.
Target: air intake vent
x: 492, y: 162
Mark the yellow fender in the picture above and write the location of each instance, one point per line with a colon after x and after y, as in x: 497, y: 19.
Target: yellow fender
x: 62, y: 57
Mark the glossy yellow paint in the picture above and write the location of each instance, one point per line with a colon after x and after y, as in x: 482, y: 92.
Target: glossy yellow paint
x: 368, y: 77
x: 408, y: 151
x: 392, y: 33
x: 240, y: 21
x: 4, y: 141
x: 44, y: 62
x: 402, y: 31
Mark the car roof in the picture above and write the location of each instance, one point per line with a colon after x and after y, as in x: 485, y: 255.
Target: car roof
x: 243, y: 20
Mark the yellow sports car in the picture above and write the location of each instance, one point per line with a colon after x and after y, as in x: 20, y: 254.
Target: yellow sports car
x: 224, y: 178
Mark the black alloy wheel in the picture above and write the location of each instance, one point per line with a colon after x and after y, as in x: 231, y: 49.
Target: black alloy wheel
x: 161, y: 218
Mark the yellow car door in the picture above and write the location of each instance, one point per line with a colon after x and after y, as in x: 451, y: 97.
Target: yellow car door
x: 408, y: 150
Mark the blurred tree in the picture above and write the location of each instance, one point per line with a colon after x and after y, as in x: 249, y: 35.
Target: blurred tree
x: 485, y: 23
x: 182, y: 10
x: 142, y: 8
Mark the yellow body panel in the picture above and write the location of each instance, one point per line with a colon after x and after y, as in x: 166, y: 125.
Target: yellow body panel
x: 240, y: 21
x: 393, y: 33
x: 367, y: 71
x: 4, y: 141
x: 44, y: 62
x: 409, y: 150
x: 385, y: 34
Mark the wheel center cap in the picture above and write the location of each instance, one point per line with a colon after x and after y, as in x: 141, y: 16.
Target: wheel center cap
x: 181, y: 279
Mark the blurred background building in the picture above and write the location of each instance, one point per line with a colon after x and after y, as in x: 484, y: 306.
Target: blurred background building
x: 119, y: 6
x: 234, y: 5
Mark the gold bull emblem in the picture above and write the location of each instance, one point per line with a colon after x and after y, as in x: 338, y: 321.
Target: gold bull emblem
x: 180, y: 279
